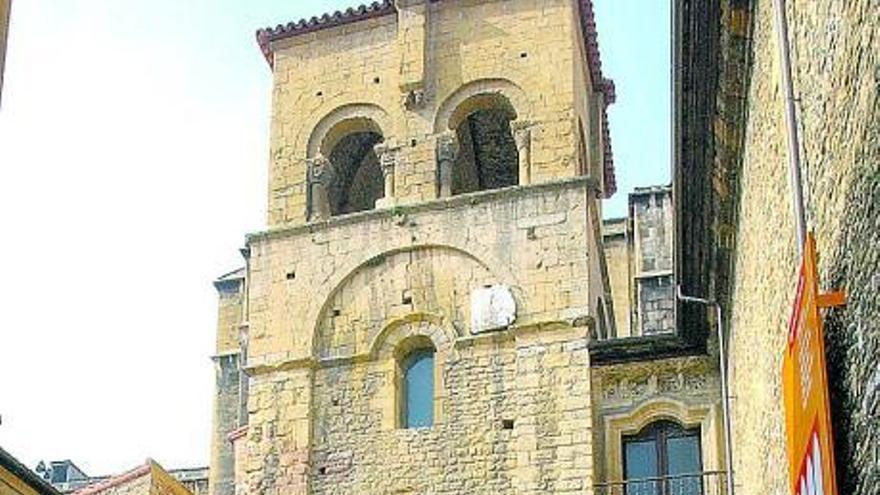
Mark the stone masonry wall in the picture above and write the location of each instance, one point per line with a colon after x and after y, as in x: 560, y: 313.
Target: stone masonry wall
x: 836, y: 64
x: 227, y: 386
x: 322, y: 403
x: 638, y: 252
x: 535, y: 384
x: 533, y: 239
x: 629, y: 396
x: 617, y: 255
x: 503, y: 47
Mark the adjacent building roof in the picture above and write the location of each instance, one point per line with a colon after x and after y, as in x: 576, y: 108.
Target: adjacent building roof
x: 142, y: 470
x: 231, y: 280
x: 601, y: 84
x: 14, y: 466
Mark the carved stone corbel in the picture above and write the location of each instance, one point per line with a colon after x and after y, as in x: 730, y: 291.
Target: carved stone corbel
x: 447, y: 151
x: 414, y: 99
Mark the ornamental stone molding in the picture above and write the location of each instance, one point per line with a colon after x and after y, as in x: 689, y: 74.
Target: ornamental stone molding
x: 522, y: 136
x: 628, y: 383
x: 447, y: 151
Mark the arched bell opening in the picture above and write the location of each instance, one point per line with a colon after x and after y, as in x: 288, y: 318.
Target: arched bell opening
x: 488, y: 157
x: 358, y: 181
x: 347, y: 173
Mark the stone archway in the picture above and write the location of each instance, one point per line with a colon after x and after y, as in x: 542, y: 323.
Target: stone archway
x: 484, y: 141
x: 350, y: 165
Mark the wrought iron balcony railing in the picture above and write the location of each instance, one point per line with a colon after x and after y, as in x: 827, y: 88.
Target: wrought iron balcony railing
x: 705, y: 483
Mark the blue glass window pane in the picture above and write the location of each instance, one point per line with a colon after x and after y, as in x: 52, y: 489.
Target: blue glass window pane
x: 683, y: 457
x: 641, y: 462
x: 419, y: 390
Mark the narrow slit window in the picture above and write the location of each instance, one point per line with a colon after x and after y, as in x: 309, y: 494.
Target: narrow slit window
x: 418, y: 389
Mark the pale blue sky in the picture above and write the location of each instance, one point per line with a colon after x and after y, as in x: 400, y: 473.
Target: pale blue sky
x: 133, y: 159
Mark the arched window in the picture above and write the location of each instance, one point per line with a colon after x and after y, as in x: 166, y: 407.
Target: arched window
x: 663, y: 458
x: 488, y: 157
x: 417, y: 389
x: 357, y: 180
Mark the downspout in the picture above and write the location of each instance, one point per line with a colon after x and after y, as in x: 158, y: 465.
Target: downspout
x: 725, y: 388
x: 794, y: 153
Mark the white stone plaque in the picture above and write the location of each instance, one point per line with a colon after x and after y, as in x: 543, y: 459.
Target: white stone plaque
x: 492, y: 308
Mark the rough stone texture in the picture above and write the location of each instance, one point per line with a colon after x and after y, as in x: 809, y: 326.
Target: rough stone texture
x: 225, y: 420
x: 322, y: 408
x: 656, y: 304
x: 532, y: 239
x: 836, y: 60
x: 638, y: 252
x: 504, y: 46
x: 616, y: 246
x: 228, y: 389
x: 530, y: 380
x: 333, y: 305
x: 651, y: 211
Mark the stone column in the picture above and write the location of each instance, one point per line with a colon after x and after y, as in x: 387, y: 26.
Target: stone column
x: 447, y: 151
x: 319, y: 184
x: 387, y: 155
x: 522, y: 135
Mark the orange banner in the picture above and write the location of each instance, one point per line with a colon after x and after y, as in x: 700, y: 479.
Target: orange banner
x: 805, y: 387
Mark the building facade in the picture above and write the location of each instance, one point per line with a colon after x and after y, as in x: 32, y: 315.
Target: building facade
x: 428, y: 310
x: 639, y: 256
x: 735, y: 216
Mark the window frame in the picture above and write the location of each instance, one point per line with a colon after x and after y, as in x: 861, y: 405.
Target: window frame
x: 659, y: 432
x: 405, y: 364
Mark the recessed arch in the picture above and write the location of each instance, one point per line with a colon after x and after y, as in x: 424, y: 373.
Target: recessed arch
x: 345, y: 171
x: 345, y: 120
x: 661, y: 409
x: 414, y: 330
x: 480, y: 117
x: 705, y: 417
x: 481, y: 94
x: 336, y: 281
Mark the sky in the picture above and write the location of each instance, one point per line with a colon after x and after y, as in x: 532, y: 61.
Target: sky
x: 133, y: 159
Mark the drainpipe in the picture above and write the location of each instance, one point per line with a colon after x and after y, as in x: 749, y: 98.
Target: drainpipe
x: 725, y: 391
x: 794, y: 150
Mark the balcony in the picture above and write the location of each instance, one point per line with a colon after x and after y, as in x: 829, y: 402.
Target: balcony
x: 705, y: 483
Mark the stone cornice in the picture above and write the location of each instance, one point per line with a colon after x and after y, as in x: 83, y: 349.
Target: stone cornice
x: 400, y: 211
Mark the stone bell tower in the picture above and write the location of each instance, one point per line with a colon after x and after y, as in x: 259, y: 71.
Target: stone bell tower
x: 416, y: 314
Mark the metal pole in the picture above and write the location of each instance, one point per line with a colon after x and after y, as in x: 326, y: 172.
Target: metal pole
x: 794, y: 150
x: 725, y: 389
